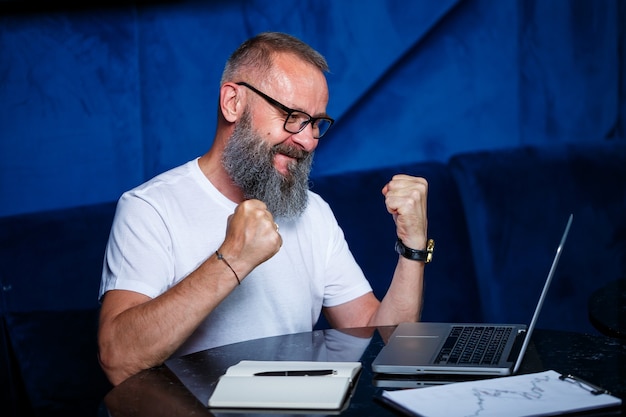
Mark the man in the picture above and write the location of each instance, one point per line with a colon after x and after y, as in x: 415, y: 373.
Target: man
x: 233, y: 246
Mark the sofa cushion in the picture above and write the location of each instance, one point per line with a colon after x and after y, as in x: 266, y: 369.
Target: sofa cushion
x: 53, y: 260
x: 356, y: 199
x: 517, y: 202
x: 56, y: 352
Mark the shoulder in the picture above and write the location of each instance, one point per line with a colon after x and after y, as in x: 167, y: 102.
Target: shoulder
x: 171, y: 178
x: 155, y: 195
x: 171, y: 184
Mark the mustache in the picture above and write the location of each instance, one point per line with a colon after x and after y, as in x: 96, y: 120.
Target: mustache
x: 290, y: 151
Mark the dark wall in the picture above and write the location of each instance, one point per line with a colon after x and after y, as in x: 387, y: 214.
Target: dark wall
x: 96, y: 100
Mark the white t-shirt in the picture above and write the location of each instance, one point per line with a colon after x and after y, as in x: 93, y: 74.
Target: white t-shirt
x: 164, y: 229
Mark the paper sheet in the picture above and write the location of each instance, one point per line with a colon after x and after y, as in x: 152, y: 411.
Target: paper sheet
x: 516, y: 396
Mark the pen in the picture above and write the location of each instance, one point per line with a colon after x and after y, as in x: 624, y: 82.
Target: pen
x: 309, y: 372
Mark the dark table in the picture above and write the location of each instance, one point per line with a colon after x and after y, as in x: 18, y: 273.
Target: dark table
x: 183, y: 385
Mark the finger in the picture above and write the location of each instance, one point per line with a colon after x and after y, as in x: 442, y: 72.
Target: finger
x: 407, y: 200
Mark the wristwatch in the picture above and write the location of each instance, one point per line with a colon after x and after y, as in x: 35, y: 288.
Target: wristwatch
x: 416, y: 255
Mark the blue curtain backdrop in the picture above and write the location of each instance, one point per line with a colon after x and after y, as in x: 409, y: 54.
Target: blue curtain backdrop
x: 96, y: 100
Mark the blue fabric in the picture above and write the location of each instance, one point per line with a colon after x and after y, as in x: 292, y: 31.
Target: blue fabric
x: 98, y: 100
x: 356, y: 199
x: 518, y: 202
x: 69, y: 109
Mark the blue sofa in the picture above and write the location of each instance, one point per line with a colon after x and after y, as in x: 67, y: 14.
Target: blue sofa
x: 496, y: 216
x: 50, y: 266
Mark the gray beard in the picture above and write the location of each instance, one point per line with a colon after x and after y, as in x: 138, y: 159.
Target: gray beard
x: 248, y: 160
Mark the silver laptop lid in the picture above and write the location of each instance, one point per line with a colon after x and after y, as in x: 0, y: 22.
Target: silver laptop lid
x: 544, y: 292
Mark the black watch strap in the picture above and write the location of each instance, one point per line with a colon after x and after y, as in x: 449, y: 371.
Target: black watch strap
x: 416, y: 255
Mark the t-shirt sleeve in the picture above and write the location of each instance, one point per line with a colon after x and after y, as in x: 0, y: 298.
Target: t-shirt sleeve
x: 345, y: 280
x: 138, y: 256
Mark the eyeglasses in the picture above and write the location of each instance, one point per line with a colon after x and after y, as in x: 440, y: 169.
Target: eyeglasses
x: 296, y: 120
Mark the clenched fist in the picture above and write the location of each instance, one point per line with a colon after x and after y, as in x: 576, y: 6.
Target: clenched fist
x: 405, y: 198
x: 251, y: 236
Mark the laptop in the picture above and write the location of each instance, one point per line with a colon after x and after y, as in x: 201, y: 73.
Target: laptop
x: 462, y: 348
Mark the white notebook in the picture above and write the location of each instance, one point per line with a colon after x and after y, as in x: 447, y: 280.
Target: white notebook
x: 290, y: 385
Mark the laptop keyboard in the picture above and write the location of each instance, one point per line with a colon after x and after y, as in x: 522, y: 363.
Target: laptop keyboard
x: 474, y: 345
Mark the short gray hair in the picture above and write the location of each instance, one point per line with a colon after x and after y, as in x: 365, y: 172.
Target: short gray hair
x: 256, y: 55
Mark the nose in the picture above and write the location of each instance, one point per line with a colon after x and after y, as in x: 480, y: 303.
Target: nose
x: 305, y: 138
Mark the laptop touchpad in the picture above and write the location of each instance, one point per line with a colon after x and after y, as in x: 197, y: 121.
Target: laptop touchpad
x: 418, y: 346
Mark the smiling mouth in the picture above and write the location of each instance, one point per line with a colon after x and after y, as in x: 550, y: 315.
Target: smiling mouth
x: 284, y: 164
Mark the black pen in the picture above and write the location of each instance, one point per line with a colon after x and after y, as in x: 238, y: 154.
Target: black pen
x: 309, y: 372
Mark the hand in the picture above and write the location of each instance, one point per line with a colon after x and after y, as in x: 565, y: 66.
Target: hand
x: 405, y: 198
x: 251, y: 235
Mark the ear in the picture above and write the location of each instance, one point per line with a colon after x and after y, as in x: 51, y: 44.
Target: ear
x: 230, y: 102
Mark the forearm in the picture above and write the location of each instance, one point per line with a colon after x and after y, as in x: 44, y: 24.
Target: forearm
x: 403, y: 300
x: 405, y: 198
x: 135, y: 340
x: 149, y: 332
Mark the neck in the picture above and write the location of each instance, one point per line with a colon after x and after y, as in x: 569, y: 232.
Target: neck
x: 211, y: 166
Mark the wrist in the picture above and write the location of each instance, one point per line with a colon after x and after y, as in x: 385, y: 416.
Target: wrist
x: 221, y: 257
x: 420, y: 255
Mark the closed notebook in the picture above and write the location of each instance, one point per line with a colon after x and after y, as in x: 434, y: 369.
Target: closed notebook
x: 285, y: 385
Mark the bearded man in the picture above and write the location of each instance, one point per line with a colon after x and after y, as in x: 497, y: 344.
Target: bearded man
x: 233, y: 246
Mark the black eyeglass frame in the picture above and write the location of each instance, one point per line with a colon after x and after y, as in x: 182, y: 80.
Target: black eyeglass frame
x: 290, y: 111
